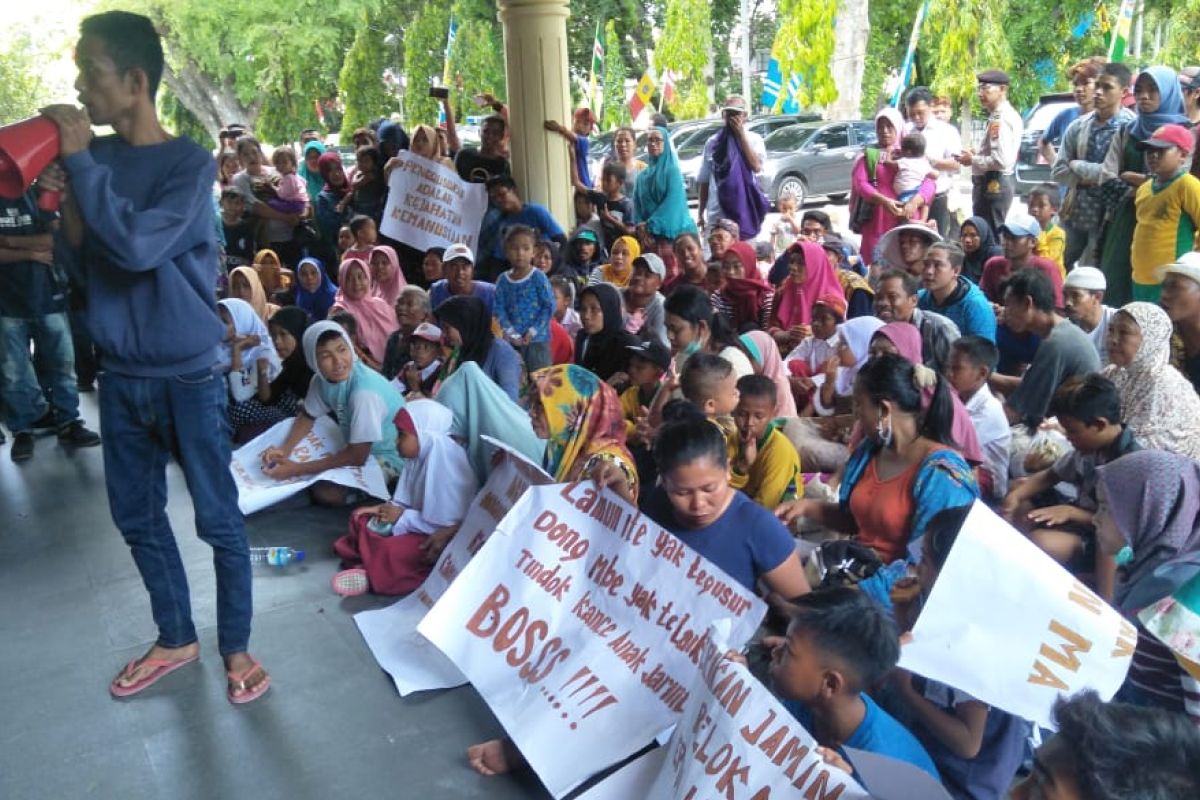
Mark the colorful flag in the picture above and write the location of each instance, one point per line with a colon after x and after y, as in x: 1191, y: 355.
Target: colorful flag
x: 906, y: 68
x: 450, y: 37
x: 1120, y: 35
x: 772, y: 83
x: 641, y: 95
x: 668, y: 89
x: 597, y: 69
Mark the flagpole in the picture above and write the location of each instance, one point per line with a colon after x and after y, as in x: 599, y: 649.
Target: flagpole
x: 910, y: 54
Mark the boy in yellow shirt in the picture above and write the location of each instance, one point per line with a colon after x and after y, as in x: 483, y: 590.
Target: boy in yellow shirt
x: 767, y: 466
x: 1167, y: 207
x: 1052, y: 241
x: 648, y: 361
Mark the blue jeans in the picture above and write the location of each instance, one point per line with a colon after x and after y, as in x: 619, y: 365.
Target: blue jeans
x: 144, y: 422
x: 19, y: 380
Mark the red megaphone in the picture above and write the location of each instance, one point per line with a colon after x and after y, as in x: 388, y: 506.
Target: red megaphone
x: 27, y: 148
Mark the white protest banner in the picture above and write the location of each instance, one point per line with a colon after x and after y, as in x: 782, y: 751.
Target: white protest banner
x: 429, y: 205
x: 414, y: 664
x: 582, y: 625
x: 736, y: 740
x: 257, y: 491
x: 1011, y: 627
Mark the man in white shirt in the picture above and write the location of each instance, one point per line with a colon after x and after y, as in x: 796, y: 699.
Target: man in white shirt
x: 1083, y: 300
x: 972, y: 359
x: 993, y: 166
x: 942, y: 146
x: 753, y: 152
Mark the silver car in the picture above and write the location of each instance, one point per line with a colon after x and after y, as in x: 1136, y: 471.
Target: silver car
x: 814, y: 158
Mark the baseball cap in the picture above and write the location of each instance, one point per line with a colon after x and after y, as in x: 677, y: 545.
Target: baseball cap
x: 458, y: 251
x: 587, y: 235
x: 1088, y: 278
x: 734, y: 103
x: 427, y: 331
x: 584, y: 113
x: 1189, y: 78
x: 1187, y: 265
x: 996, y: 76
x: 653, y: 263
x: 834, y: 242
x: 1169, y: 136
x: 1019, y: 224
x: 653, y: 351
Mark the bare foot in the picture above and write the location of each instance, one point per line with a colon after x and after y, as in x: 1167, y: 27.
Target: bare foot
x: 140, y: 670
x: 494, y: 757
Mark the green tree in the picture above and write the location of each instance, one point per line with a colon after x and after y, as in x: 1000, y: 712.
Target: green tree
x: 176, y: 118
x: 22, y: 90
x: 615, y: 112
x: 804, y: 46
x: 1181, y: 25
x: 360, y: 84
x: 683, y: 48
x: 970, y: 36
x: 477, y: 58
x: 891, y: 24
x: 424, y: 57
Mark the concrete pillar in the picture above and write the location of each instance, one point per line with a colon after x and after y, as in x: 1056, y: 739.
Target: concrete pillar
x: 535, y: 57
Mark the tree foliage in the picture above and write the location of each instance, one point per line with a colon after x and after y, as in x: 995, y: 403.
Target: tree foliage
x: 477, y: 58
x: 683, y: 48
x: 1182, y: 22
x: 615, y: 111
x: 969, y: 37
x: 360, y: 83
x: 424, y: 57
x: 804, y: 46
x: 22, y: 91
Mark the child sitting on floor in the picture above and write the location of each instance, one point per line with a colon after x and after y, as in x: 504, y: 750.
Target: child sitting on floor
x: 972, y: 361
x: 809, y: 358
x: 398, y: 542
x: 417, y: 378
x: 766, y: 466
x: 648, y: 361
x: 709, y: 382
x: 564, y: 305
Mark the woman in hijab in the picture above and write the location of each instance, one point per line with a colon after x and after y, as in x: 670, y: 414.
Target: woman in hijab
x: 979, y: 243
x: 602, y: 344
x: 250, y: 365
x: 1159, y: 102
x: 466, y: 327
x: 744, y: 297
x: 764, y: 354
x: 387, y: 280
x: 425, y: 144
x: 310, y: 168
x: 580, y: 418
x: 1157, y: 402
x: 315, y: 293
x: 659, y: 197
x: 244, y: 284
x: 810, y: 276
x: 376, y: 318
x: 328, y: 200
x: 1148, y: 519
x: 871, y: 193
x: 396, y: 543
x: 271, y: 273
x: 619, y: 268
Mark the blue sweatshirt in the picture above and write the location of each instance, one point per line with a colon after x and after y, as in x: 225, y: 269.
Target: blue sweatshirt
x: 150, y: 253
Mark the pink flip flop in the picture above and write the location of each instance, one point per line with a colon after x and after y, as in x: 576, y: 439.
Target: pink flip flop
x: 161, y: 668
x: 237, y: 683
x: 351, y: 582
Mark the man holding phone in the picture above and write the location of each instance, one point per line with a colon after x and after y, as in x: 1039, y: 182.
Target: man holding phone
x: 728, y: 187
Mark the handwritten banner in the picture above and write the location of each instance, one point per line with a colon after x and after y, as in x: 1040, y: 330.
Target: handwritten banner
x: 582, y: 624
x: 429, y: 205
x: 257, y: 491
x: 414, y: 664
x: 1011, y: 627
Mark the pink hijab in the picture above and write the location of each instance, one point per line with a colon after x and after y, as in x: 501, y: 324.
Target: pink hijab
x: 390, y: 288
x: 769, y: 364
x: 907, y: 339
x: 375, y: 316
x: 794, y: 301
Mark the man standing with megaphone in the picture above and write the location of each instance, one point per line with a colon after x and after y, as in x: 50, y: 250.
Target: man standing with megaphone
x: 138, y: 205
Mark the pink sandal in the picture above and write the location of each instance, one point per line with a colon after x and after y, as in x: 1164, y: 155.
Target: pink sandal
x: 237, y: 683
x: 160, y: 669
x: 351, y: 582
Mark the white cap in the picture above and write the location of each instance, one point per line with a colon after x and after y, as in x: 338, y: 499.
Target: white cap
x: 1019, y: 224
x: 1187, y: 265
x: 1088, y: 278
x: 427, y: 331
x: 458, y: 251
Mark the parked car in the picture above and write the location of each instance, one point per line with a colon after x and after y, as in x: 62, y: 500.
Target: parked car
x: 1032, y: 169
x: 814, y: 158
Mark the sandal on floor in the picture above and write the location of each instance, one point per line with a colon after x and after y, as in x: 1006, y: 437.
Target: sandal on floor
x: 238, y: 683
x: 351, y: 582
x: 160, y: 669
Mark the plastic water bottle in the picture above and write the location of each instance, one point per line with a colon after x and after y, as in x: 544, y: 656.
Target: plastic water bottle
x: 275, y: 556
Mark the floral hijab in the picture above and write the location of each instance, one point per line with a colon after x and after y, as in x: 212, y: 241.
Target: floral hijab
x: 1158, y: 403
x: 584, y: 417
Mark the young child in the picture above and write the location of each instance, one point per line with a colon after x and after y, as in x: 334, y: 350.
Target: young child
x: 583, y: 122
x: 249, y: 359
x: 587, y: 214
x: 977, y: 749
x: 365, y: 238
x: 808, y: 359
x: 291, y: 193
x: 239, y: 230
x: 840, y: 644
x: 1167, y: 207
x: 431, y: 265
x: 345, y: 242
x: 709, y: 383
x: 397, y: 543
x: 1088, y: 409
x: 972, y: 361
x: 418, y: 376
x: 368, y: 191
x: 564, y: 304
x: 524, y: 302
x: 912, y: 168
x: 767, y: 467
x: 786, y: 229
x: 648, y: 362
x: 346, y: 321
x: 543, y: 257
x: 616, y: 210
x: 1052, y: 241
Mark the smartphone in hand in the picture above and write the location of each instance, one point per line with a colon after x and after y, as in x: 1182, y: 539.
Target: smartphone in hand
x: 439, y: 92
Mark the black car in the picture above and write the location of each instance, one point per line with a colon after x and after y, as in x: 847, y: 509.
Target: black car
x: 1032, y: 169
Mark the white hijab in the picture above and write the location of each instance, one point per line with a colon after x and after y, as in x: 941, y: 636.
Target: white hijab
x: 439, y: 482
x: 856, y: 333
x: 246, y: 322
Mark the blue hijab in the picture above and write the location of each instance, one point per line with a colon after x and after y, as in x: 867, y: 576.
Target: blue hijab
x: 1170, y: 107
x: 318, y: 303
x: 659, y: 197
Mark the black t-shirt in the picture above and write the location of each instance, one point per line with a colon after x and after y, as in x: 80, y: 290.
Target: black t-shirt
x: 239, y: 240
x: 622, y: 209
x: 28, y: 289
x: 474, y: 167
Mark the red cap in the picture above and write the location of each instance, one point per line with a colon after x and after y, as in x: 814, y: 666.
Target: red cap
x: 1170, y: 136
x: 586, y: 115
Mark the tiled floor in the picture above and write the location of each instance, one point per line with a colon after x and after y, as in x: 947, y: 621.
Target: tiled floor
x: 73, y: 610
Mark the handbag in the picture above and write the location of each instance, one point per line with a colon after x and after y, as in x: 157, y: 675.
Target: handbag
x: 860, y: 210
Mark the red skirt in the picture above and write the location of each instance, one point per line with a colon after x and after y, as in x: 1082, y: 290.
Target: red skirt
x: 394, y: 564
